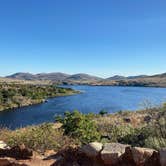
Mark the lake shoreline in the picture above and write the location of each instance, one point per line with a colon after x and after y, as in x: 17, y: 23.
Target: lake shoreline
x: 144, y: 86
x: 90, y: 99
x: 40, y: 102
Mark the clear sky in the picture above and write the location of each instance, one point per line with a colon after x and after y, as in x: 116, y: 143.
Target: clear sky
x: 101, y: 37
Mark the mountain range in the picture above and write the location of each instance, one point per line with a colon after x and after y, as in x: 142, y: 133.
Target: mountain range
x: 81, y: 78
x: 55, y: 77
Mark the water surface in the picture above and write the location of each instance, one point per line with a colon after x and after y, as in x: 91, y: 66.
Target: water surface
x: 94, y: 99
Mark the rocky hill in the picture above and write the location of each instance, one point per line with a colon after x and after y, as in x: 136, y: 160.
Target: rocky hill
x: 145, y: 81
x: 116, y: 77
x: 41, y: 76
x: 81, y: 78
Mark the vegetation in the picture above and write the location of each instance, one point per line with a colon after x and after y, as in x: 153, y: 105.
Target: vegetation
x: 39, y: 138
x: 79, y: 126
x: 17, y: 95
x: 103, y: 112
x: 145, y: 128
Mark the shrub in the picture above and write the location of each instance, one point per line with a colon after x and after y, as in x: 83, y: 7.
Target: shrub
x: 103, y: 112
x: 157, y: 137
x: 136, y: 137
x: 39, y: 138
x: 79, y: 126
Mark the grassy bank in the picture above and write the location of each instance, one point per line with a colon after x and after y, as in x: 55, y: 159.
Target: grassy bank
x: 18, y: 95
x: 145, y: 128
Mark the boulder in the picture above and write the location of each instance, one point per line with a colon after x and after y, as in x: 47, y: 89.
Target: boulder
x: 162, y: 153
x: 127, y: 158
x: 154, y: 160
x: 10, y: 162
x: 92, y: 149
x: 112, y: 153
x: 17, y: 152
x: 141, y: 155
x: 3, y: 145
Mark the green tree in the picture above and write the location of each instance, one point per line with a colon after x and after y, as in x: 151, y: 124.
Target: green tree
x: 79, y: 126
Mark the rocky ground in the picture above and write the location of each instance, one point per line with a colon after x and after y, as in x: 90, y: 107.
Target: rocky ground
x: 93, y: 154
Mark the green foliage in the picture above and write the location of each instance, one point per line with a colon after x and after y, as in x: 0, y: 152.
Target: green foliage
x: 16, y: 95
x: 39, y: 138
x: 103, y: 112
x: 157, y: 136
x: 136, y: 137
x: 79, y: 126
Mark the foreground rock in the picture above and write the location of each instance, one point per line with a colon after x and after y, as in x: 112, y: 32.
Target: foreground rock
x: 93, y: 154
x: 163, y: 157
x: 17, y: 152
x: 92, y: 149
x: 138, y: 156
x: 10, y: 162
x: 3, y: 145
x: 115, y: 154
x: 112, y: 153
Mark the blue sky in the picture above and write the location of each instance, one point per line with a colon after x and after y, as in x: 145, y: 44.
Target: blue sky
x: 100, y: 37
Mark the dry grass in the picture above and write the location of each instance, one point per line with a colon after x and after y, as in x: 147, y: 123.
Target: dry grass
x: 39, y: 138
x: 33, y: 82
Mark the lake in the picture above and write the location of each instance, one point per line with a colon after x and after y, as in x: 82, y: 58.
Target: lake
x: 93, y: 99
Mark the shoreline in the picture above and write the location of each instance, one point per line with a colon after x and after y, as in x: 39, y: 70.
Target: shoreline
x: 40, y: 102
x: 115, y: 85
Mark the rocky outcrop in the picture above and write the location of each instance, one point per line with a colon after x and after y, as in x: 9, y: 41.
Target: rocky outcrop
x: 141, y: 155
x: 162, y: 153
x: 17, y: 152
x: 112, y: 153
x: 93, y: 154
x: 22, y: 156
x: 92, y: 149
x: 10, y: 162
x: 115, y: 154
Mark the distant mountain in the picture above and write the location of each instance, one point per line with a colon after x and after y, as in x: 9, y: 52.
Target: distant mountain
x: 116, y: 77
x: 139, y: 76
x: 82, y: 77
x: 52, y: 76
x: 40, y: 76
x: 159, y: 75
x: 158, y: 80
x: 55, y: 77
x: 22, y: 76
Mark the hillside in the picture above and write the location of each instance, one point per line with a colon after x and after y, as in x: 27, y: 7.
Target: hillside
x: 116, y: 77
x: 41, y: 76
x: 158, y: 80
x: 22, y: 81
x: 56, y: 77
x: 81, y: 79
x: 149, y: 81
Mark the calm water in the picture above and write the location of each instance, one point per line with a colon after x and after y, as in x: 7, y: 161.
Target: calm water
x: 94, y: 99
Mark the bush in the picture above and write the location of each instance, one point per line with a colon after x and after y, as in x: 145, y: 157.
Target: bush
x: 39, y: 138
x: 157, y: 137
x: 136, y: 137
x: 79, y: 126
x: 103, y: 112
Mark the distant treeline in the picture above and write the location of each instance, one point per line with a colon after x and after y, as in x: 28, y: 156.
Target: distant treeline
x: 17, y: 95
